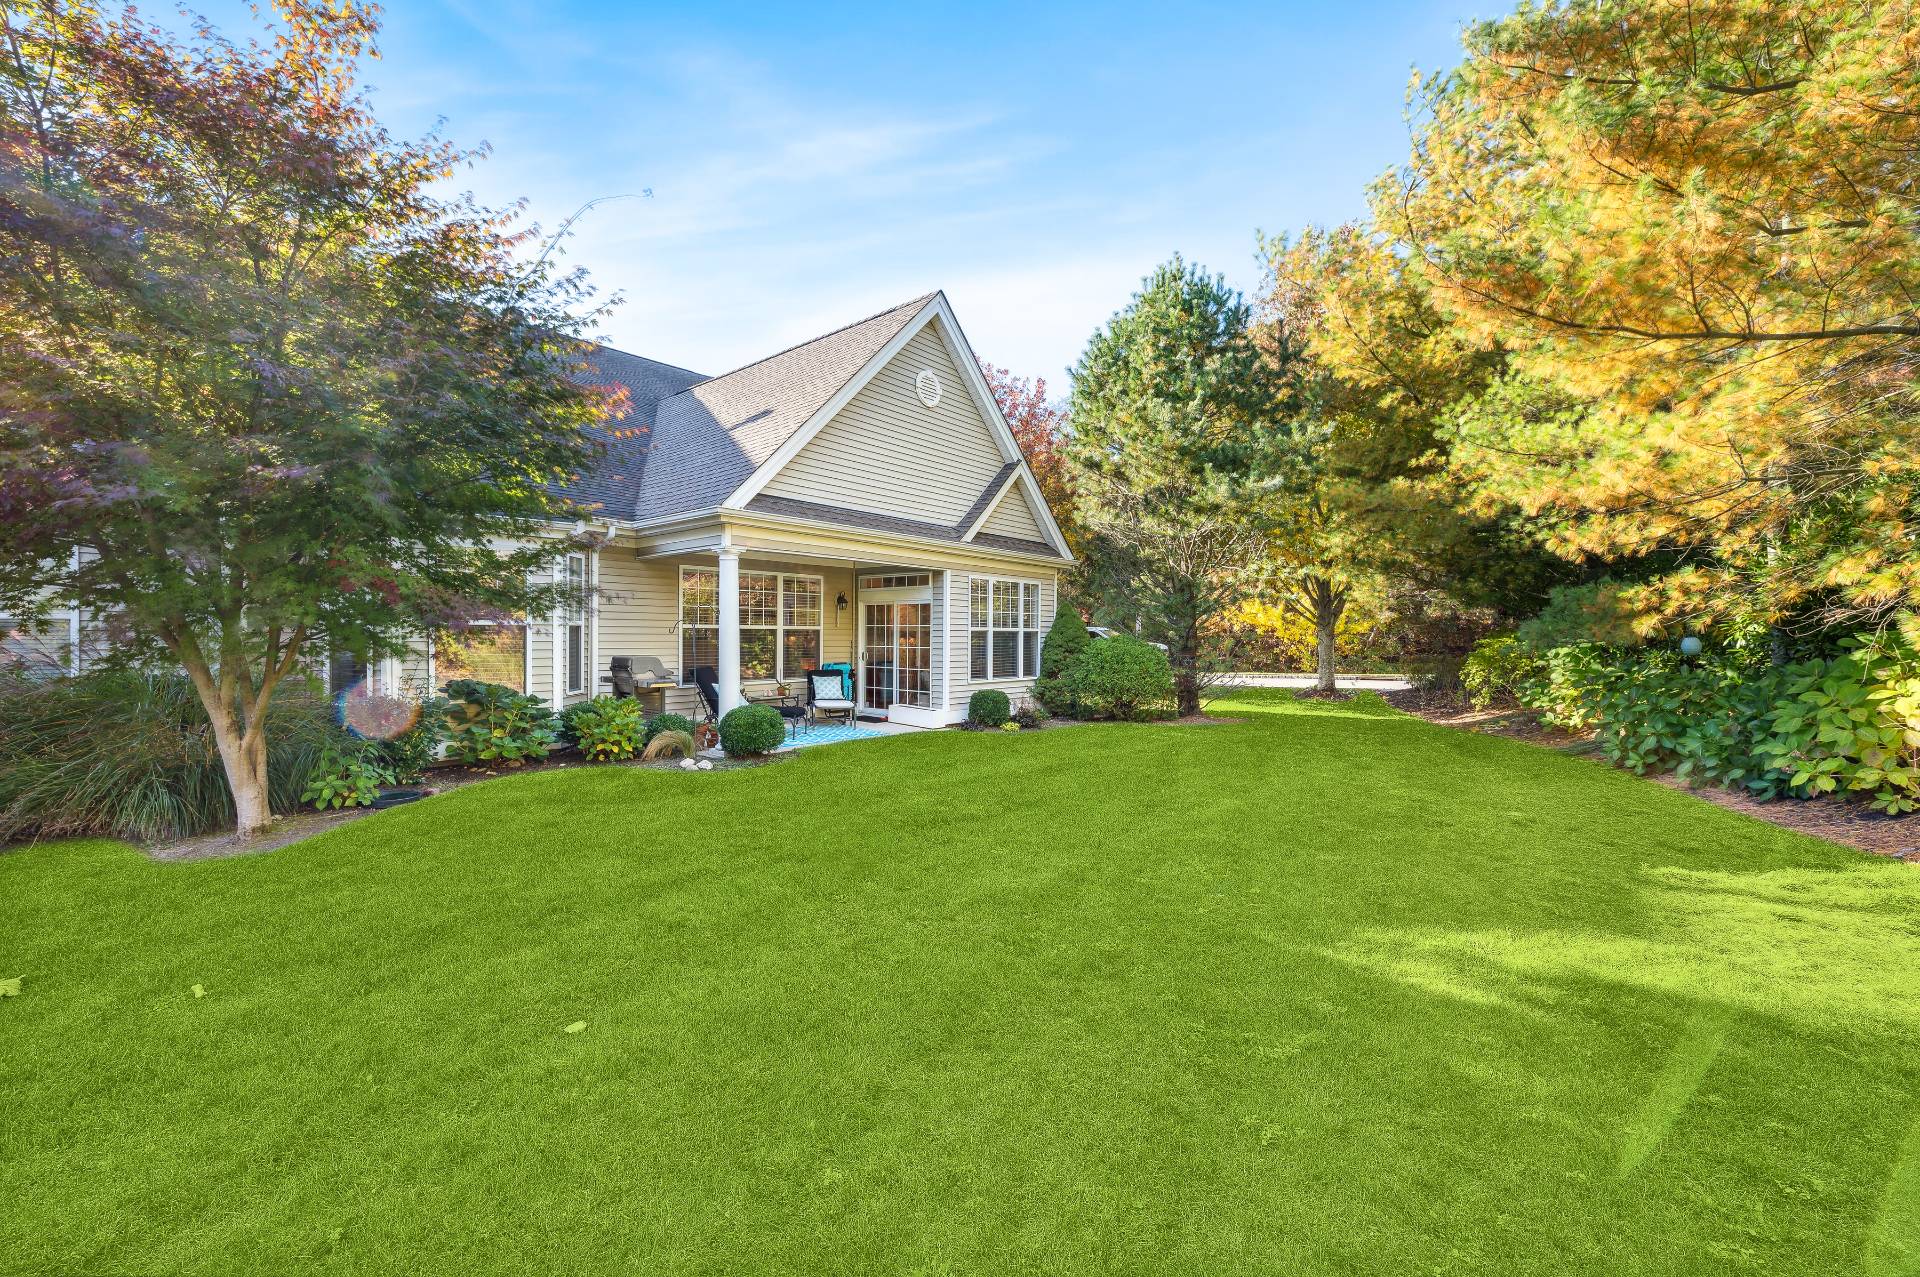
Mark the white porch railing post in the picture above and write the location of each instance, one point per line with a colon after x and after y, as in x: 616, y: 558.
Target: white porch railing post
x: 729, y: 604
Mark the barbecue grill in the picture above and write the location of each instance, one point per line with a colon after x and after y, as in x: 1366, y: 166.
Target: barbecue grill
x: 645, y: 677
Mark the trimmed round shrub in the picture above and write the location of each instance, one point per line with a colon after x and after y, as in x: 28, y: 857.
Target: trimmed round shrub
x: 667, y: 723
x: 988, y: 707
x: 747, y: 730
x: 605, y: 728
x: 1121, y: 677
x: 1067, y: 637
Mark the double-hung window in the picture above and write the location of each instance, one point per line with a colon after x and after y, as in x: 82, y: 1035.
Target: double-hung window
x: 1004, y: 629
x: 576, y: 623
x: 780, y: 623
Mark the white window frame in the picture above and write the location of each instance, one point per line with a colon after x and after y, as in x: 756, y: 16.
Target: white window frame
x: 779, y: 629
x: 1025, y: 624
x: 574, y: 641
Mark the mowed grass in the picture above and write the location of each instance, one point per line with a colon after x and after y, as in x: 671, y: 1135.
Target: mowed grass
x: 1328, y: 990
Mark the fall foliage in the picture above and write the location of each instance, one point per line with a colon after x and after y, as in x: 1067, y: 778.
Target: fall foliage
x: 263, y: 390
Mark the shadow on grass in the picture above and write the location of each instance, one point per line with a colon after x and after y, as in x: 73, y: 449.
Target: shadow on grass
x: 1827, y: 949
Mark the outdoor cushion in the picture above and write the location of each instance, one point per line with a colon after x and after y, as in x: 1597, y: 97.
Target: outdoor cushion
x: 822, y: 702
x: 826, y: 688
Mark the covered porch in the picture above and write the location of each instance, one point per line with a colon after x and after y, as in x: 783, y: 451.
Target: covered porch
x: 763, y: 617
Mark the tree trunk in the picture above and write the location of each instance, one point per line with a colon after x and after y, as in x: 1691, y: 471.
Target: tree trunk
x: 244, y: 755
x: 1186, y: 683
x: 1326, y: 618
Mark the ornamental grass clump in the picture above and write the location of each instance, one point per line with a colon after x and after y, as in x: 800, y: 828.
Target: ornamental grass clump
x: 131, y: 755
x: 668, y: 745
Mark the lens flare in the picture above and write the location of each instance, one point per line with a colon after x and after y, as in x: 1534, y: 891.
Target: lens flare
x: 366, y: 713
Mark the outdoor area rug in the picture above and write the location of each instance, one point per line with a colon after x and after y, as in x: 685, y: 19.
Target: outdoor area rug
x: 827, y: 736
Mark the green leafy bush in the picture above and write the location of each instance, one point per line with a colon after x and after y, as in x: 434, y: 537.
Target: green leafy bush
x: 1055, y: 695
x: 1120, y: 677
x: 747, y: 730
x: 605, y: 728
x: 1066, y: 638
x: 1699, y: 719
x: 1498, y: 669
x: 131, y: 755
x: 347, y: 774
x: 667, y: 723
x: 488, y: 723
x: 988, y: 707
x: 1850, y: 725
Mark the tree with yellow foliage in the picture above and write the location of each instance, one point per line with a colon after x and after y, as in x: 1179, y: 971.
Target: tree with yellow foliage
x: 1690, y: 230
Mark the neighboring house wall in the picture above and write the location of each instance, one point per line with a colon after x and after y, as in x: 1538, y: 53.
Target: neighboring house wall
x: 886, y: 452
x: 1013, y: 517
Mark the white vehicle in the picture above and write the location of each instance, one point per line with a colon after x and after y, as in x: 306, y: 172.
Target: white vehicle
x: 1106, y: 631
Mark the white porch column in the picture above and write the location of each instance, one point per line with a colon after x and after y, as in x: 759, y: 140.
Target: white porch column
x: 729, y: 604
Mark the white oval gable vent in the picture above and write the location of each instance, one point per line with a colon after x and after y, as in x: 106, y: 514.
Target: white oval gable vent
x: 928, y: 384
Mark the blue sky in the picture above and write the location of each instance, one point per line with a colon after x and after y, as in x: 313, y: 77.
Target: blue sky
x: 811, y: 164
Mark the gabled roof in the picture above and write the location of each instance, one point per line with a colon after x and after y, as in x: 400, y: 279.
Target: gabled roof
x: 688, y: 444
x: 711, y: 437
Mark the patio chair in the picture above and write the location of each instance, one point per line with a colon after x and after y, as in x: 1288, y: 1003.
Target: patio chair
x: 707, y: 679
x: 827, y: 695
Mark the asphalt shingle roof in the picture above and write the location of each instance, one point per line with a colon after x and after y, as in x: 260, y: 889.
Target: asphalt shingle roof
x: 711, y: 437
x: 612, y: 485
x: 687, y: 441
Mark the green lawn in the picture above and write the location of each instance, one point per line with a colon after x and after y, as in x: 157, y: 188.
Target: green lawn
x: 1325, y: 991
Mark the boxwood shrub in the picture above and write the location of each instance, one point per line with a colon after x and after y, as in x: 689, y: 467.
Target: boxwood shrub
x: 747, y: 730
x: 988, y: 707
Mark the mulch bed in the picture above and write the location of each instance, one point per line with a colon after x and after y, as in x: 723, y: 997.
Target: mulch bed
x: 298, y: 826
x: 1851, y: 824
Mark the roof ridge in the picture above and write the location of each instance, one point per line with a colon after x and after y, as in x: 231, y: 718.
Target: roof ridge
x: 916, y: 303
x: 601, y: 345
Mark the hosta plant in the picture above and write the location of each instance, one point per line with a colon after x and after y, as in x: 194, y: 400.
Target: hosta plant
x: 606, y: 728
x: 488, y: 723
x: 349, y: 774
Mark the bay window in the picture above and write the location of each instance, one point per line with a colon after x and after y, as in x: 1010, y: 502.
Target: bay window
x: 781, y: 617
x: 1003, y: 629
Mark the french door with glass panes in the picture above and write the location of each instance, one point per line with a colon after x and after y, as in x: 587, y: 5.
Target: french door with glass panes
x: 895, y: 664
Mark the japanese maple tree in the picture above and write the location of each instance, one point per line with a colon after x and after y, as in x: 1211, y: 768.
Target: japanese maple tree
x: 265, y: 388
